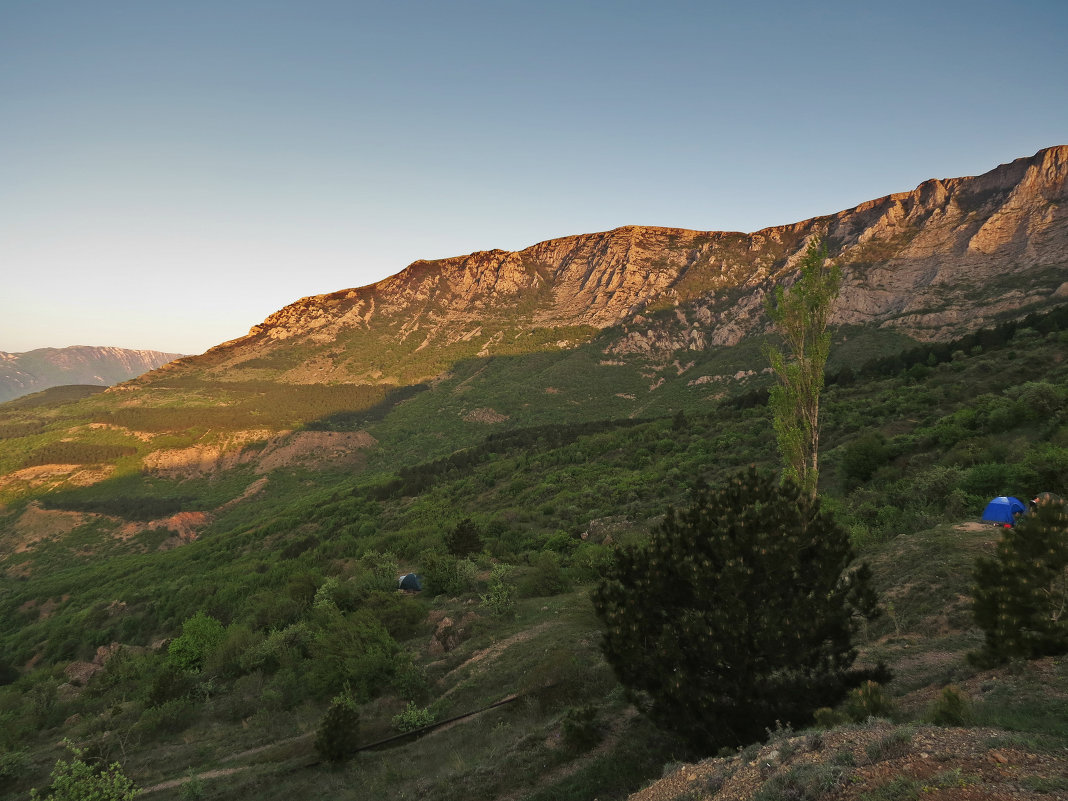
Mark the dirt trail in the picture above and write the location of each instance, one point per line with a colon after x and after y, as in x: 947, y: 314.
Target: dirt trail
x: 170, y: 784
x: 218, y: 773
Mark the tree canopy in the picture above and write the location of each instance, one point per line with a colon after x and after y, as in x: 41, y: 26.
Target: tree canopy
x: 738, y: 613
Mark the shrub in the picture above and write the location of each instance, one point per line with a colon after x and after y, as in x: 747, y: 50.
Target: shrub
x: 1021, y: 594
x: 77, y: 780
x: 868, y: 701
x: 228, y: 657
x: 862, y: 457
x: 737, y: 614
x: 805, y: 782
x: 951, y: 709
x: 827, y: 718
x: 170, y: 716
x: 355, y: 651
x: 282, y: 648
x: 1049, y: 463
x: 402, y: 616
x: 201, y: 634
x: 192, y: 789
x: 324, y: 596
x: 464, y: 538
x: 893, y: 745
x: 8, y: 672
x: 13, y: 765
x: 446, y: 575
x: 581, y: 729
x: 380, y: 571
x: 168, y: 683
x: 337, y: 737
x: 412, y: 718
x: 498, y: 600
x: 544, y: 578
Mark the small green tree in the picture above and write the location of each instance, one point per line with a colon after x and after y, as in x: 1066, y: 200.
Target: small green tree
x: 339, y: 731
x: 802, y: 316
x: 200, y: 635
x: 77, y: 780
x: 738, y: 613
x: 1021, y: 593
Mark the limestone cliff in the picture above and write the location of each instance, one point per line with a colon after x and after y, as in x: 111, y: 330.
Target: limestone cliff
x: 949, y: 256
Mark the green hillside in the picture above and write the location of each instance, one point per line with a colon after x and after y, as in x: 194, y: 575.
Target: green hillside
x: 555, y: 458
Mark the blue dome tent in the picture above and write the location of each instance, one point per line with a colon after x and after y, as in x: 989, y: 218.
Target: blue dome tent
x: 1004, y: 510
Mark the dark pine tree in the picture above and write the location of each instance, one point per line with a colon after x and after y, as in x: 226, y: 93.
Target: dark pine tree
x: 738, y: 613
x: 464, y: 538
x: 1021, y: 594
x: 338, y: 736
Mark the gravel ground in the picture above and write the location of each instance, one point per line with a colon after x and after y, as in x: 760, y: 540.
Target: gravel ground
x: 874, y: 762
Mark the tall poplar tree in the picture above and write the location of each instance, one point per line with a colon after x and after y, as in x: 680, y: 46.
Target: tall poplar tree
x: 802, y: 316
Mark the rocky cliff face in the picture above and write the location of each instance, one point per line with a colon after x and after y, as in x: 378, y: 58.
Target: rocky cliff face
x: 949, y: 256
x: 35, y: 370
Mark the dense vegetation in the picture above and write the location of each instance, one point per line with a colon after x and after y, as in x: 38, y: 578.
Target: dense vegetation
x: 739, y: 612
x: 289, y: 602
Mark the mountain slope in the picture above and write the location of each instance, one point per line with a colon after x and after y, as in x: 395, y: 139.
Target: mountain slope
x: 950, y: 256
x: 35, y: 370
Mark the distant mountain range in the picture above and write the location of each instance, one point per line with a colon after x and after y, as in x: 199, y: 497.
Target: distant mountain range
x: 35, y: 370
x: 948, y: 257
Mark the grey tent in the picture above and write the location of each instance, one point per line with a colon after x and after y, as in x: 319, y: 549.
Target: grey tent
x: 410, y: 581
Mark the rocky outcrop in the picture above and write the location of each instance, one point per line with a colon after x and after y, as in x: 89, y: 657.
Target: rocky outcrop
x: 949, y: 256
x: 35, y: 370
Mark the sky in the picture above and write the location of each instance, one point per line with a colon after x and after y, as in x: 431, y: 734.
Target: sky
x: 171, y: 173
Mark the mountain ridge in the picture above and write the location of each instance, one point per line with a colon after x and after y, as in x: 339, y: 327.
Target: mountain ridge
x: 930, y: 262
x: 43, y: 368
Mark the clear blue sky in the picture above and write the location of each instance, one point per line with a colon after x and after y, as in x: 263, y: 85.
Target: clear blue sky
x: 173, y: 172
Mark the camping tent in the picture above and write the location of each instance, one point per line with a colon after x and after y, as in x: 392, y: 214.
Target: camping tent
x: 1003, y: 509
x: 410, y: 581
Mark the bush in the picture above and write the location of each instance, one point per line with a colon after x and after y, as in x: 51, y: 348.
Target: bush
x: 581, y: 729
x: 951, y: 709
x: 169, y: 717
x: 827, y: 718
x: 77, y: 780
x: 169, y: 683
x: 895, y: 744
x: 544, y: 578
x: 13, y: 765
x: 380, y: 571
x: 402, y: 616
x: 868, y: 701
x: 806, y: 782
x: 1021, y: 594
x: 192, y: 789
x: 446, y: 575
x: 352, y: 651
x: 337, y: 738
x: 201, y: 634
x: 737, y: 614
x: 284, y: 648
x: 464, y: 538
x: 412, y: 718
x: 863, y: 457
x: 228, y: 657
x: 498, y: 600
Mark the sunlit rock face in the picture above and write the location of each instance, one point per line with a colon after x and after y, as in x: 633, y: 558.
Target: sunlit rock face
x: 950, y: 256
